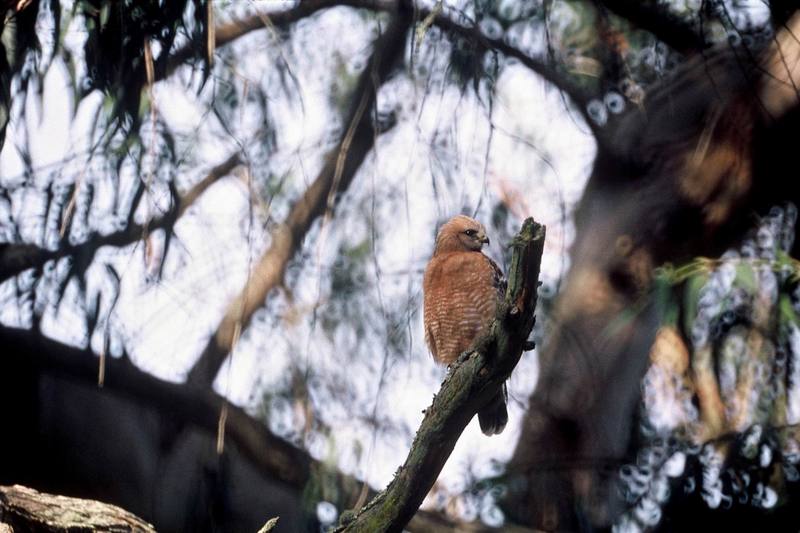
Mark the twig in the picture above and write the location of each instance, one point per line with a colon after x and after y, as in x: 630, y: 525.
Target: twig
x: 16, y: 258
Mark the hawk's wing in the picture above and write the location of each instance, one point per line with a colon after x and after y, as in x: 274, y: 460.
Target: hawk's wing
x: 461, y: 292
x: 499, y: 280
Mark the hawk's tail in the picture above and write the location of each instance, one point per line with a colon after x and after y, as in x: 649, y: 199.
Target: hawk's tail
x: 493, y: 416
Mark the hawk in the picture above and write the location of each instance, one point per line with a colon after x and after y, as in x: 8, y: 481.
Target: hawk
x: 462, y: 288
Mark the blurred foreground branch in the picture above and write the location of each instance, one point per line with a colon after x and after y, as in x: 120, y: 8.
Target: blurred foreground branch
x: 25, y: 509
x: 684, y: 179
x: 340, y: 166
x: 472, y: 381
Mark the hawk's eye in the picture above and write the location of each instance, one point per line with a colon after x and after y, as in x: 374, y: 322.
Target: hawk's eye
x: 471, y: 232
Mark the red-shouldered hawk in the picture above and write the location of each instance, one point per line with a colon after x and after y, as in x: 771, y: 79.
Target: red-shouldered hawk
x: 462, y: 288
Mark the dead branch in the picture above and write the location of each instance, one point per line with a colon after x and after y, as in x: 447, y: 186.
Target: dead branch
x: 24, y: 509
x: 472, y: 381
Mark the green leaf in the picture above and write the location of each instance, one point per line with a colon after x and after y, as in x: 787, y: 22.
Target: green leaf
x: 746, y: 277
x: 786, y: 312
x: 691, y: 295
x: 104, y: 14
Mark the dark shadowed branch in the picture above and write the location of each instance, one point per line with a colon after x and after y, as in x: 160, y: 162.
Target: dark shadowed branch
x: 340, y: 166
x: 577, y: 95
x: 267, y: 454
x: 16, y: 258
x: 540, y: 66
x: 471, y: 383
x: 185, y: 404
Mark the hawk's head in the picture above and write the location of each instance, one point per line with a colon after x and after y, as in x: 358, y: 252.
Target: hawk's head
x: 460, y: 234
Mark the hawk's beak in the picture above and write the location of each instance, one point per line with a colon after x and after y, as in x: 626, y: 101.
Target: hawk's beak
x: 484, y: 239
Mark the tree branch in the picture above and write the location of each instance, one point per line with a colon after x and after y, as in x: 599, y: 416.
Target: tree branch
x: 185, y: 404
x: 229, y: 32
x: 16, y: 258
x: 578, y: 96
x: 658, y: 20
x: 473, y: 380
x: 25, y: 509
x: 336, y: 175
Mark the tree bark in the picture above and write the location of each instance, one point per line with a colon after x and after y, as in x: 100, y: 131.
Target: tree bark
x: 25, y: 509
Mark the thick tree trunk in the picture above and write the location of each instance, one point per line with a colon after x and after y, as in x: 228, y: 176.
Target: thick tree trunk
x: 680, y: 178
